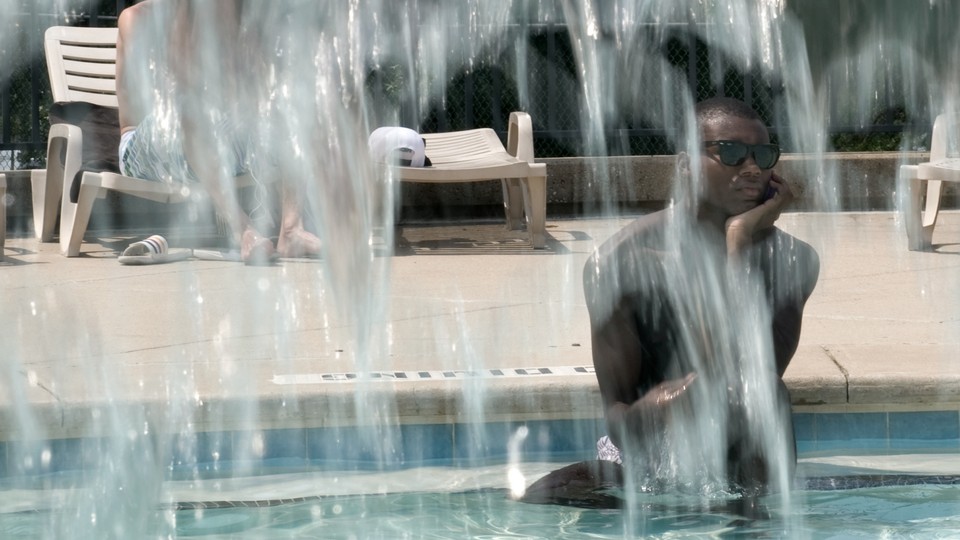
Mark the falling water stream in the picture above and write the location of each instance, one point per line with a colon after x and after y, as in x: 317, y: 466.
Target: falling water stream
x: 310, y: 110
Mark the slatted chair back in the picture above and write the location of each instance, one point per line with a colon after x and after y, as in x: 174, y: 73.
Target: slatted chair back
x: 82, y: 64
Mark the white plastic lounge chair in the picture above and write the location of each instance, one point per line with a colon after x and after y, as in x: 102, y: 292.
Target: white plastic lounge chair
x: 81, y: 63
x: 478, y: 154
x: 82, y: 66
x: 940, y: 168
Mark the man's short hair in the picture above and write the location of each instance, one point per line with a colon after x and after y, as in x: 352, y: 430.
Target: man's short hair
x: 717, y: 107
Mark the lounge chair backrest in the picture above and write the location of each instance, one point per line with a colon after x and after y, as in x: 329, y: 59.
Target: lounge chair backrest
x: 82, y: 64
x: 945, y: 140
x: 458, y: 146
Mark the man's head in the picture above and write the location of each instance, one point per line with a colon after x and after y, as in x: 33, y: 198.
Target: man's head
x: 736, y: 158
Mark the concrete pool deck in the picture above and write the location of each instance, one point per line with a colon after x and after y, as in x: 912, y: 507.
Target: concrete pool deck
x: 465, y: 302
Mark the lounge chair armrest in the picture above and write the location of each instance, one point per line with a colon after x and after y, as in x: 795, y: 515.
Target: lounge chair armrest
x: 64, y: 154
x: 520, y: 136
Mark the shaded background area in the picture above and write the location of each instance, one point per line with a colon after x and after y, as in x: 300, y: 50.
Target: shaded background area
x: 882, y: 70
x: 896, y: 48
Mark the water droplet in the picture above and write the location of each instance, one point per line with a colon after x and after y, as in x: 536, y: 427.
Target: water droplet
x: 257, y: 445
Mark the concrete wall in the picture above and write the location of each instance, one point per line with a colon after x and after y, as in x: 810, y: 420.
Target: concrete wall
x: 865, y: 181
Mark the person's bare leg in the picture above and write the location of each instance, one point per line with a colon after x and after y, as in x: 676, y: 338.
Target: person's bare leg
x: 201, y: 153
x: 295, y: 241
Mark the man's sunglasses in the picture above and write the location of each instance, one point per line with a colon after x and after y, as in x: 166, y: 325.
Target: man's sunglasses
x: 734, y: 153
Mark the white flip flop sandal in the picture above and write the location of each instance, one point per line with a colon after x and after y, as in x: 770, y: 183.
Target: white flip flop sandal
x: 152, y: 250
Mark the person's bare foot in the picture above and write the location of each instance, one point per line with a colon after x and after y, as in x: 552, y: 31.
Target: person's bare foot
x: 255, y: 249
x: 298, y: 242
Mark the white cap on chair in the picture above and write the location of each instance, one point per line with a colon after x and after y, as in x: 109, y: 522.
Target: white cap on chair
x: 397, y: 145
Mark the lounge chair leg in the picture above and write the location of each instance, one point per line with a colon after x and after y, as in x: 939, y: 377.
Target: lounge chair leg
x: 931, y: 210
x: 74, y: 218
x: 513, y: 203
x: 918, y: 235
x: 535, y: 202
x: 46, y: 199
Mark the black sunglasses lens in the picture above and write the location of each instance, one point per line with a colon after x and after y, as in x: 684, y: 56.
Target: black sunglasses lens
x: 732, y: 153
x: 766, y: 155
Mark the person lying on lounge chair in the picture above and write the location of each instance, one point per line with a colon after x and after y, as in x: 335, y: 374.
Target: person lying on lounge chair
x: 187, y: 85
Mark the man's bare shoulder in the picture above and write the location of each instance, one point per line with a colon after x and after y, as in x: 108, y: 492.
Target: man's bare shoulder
x: 647, y: 232
x: 789, y: 252
x: 632, y: 253
x: 791, y: 246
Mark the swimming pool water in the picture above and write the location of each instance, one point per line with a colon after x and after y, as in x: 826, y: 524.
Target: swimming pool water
x: 454, y: 502
x: 930, y: 512
x: 320, y: 483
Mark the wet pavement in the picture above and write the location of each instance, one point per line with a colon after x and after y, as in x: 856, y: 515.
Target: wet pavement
x: 460, y: 316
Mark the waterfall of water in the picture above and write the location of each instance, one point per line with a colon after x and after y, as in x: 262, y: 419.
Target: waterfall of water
x: 309, y: 107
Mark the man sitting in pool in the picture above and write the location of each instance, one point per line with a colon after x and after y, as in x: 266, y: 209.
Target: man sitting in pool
x: 670, y: 298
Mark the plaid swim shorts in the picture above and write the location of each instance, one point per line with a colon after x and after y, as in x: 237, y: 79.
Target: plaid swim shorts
x: 154, y: 150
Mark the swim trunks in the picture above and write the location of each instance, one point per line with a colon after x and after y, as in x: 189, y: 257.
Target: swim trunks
x: 607, y: 451
x: 154, y: 151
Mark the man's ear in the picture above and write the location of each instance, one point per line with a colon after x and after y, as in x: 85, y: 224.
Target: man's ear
x: 683, y: 163
x: 685, y: 192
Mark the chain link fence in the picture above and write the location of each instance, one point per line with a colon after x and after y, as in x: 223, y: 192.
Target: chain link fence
x: 25, y: 88
x: 546, y: 83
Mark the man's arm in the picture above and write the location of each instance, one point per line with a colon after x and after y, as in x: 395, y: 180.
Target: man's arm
x: 787, y: 318
x: 743, y: 231
x: 618, y: 359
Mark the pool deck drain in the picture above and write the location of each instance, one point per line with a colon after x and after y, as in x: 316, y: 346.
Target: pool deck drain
x: 468, y: 300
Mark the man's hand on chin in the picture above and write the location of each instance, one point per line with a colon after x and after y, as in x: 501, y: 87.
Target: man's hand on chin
x: 742, y: 227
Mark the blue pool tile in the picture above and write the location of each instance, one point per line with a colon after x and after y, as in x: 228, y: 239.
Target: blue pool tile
x: 273, y: 444
x: 543, y: 437
x: 806, y: 447
x: 804, y: 427
x: 181, y: 450
x: 53, y: 456
x: 284, y: 443
x: 329, y: 444
x: 924, y: 445
x: 72, y: 454
x: 563, y: 436
x: 476, y: 442
x: 95, y: 454
x: 355, y: 448
x: 18, y: 458
x: 214, y: 447
x: 426, y: 442
x: 851, y: 426
x: 852, y: 444
x: 396, y: 447
x: 925, y: 425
